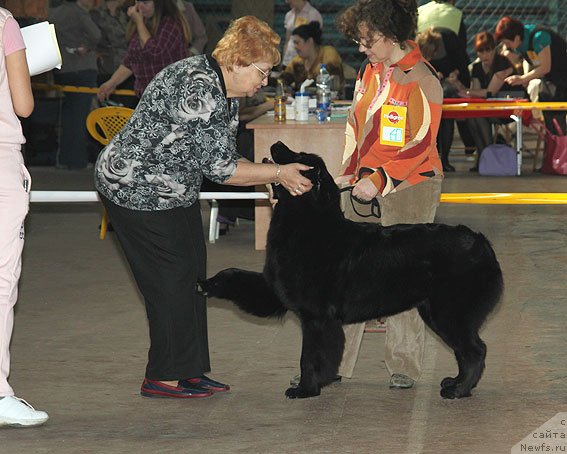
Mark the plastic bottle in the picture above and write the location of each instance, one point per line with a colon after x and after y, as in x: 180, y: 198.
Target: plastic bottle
x: 279, y: 102
x: 323, y: 94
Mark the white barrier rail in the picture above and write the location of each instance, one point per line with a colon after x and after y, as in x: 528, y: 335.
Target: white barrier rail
x: 468, y: 198
x: 92, y: 196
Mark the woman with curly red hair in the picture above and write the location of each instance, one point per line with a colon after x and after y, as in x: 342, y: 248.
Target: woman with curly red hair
x: 390, y: 153
x: 149, y: 177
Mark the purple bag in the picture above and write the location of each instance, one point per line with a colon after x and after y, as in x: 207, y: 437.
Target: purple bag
x: 498, y: 160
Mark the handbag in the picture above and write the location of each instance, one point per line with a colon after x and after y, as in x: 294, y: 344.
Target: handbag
x: 498, y: 160
x: 555, y: 152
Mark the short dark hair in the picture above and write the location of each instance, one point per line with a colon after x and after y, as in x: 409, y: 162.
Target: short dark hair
x: 509, y: 28
x: 395, y: 19
x: 310, y: 30
x: 484, y: 41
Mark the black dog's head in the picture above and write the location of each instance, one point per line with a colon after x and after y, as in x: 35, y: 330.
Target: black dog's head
x: 324, y: 190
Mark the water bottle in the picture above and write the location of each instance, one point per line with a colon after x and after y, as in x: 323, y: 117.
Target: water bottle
x: 279, y: 102
x: 323, y: 94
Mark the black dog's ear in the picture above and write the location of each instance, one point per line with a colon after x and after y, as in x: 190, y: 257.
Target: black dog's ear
x: 281, y: 153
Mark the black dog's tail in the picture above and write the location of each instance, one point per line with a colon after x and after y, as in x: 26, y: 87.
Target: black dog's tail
x: 248, y: 290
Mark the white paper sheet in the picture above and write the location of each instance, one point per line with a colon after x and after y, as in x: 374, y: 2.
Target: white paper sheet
x: 42, y: 50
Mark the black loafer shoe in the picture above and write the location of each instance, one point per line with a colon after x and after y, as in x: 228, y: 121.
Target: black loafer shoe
x: 154, y: 388
x: 204, y: 382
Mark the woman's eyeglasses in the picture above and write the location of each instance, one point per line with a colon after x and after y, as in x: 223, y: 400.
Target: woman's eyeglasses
x: 265, y: 74
x: 367, y: 45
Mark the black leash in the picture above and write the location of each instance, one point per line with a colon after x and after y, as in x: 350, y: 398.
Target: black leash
x: 374, y: 209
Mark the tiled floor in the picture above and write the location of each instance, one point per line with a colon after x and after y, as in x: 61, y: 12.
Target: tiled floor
x: 80, y: 343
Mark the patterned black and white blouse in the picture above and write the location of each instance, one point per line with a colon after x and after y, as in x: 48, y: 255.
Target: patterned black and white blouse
x: 183, y: 128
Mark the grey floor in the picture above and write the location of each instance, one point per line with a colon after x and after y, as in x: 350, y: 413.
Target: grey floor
x: 80, y: 343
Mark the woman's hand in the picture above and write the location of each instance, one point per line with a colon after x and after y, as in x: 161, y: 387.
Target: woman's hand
x: 453, y: 77
x: 134, y: 14
x: 81, y: 51
x: 291, y: 178
x: 365, y: 190
x: 514, y: 80
x: 105, y: 90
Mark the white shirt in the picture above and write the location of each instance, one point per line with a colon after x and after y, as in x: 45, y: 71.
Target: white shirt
x: 293, y: 20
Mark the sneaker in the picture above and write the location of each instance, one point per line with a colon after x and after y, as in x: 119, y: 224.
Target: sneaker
x: 401, y: 381
x: 204, y: 382
x: 154, y: 388
x: 16, y: 412
x: 295, y: 380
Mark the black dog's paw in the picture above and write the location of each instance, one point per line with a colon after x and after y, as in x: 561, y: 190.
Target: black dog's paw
x: 448, y: 382
x: 211, y: 288
x: 297, y: 392
x: 202, y: 287
x: 215, y: 287
x: 454, y: 392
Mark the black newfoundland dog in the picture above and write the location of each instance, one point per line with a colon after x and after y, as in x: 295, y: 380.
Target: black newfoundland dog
x: 331, y: 271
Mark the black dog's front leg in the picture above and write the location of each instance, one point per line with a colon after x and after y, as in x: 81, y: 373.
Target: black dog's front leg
x: 248, y: 290
x: 321, y: 355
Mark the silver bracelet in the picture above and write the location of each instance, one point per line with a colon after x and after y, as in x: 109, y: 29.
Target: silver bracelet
x: 276, y: 182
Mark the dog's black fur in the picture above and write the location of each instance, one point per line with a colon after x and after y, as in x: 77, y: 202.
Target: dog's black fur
x: 331, y: 271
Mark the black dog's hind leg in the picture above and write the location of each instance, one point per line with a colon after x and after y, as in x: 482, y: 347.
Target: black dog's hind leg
x: 247, y: 289
x: 470, y: 358
x: 469, y: 349
x: 321, y: 355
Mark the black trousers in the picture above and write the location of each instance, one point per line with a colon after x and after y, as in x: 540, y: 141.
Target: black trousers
x: 445, y: 137
x: 167, y: 254
x: 73, y: 152
x: 551, y: 92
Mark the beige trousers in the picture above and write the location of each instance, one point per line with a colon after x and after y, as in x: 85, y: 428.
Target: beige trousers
x: 405, y: 332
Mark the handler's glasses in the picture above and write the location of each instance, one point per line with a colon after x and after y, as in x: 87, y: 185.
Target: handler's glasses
x: 367, y: 45
x: 265, y: 74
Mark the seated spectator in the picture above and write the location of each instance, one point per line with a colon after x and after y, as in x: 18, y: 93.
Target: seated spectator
x: 198, y: 33
x: 487, y: 78
x: 301, y: 13
x: 310, y: 55
x: 546, y: 53
x: 446, y: 53
x: 158, y: 35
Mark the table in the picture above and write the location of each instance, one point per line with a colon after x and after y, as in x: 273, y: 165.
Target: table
x: 325, y: 139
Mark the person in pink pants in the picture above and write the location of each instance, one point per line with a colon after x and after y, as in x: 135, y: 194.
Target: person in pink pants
x: 16, y: 99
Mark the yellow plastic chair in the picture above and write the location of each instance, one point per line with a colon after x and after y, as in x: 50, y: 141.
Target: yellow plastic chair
x: 103, y: 123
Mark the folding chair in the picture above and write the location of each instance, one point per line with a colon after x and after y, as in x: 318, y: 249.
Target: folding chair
x: 103, y: 123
